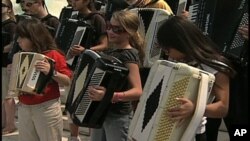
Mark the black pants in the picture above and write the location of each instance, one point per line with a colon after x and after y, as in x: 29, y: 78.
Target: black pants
x: 200, y: 137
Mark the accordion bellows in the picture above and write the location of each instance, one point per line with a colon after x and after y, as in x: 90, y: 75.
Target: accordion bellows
x: 24, y: 77
x: 166, y: 82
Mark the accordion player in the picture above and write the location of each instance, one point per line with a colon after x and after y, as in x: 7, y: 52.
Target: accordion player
x: 71, y: 31
x: 93, y: 69
x: 150, y: 20
x: 24, y: 77
x: 167, y: 81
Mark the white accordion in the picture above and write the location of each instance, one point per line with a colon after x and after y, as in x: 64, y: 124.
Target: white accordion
x: 24, y: 77
x: 150, y: 20
x: 166, y: 82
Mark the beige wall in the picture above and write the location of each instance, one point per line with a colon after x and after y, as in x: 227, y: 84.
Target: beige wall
x: 54, y: 6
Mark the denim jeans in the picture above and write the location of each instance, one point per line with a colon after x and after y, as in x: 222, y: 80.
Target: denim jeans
x: 115, y: 128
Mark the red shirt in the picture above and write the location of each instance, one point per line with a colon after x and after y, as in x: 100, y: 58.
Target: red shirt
x: 52, y: 89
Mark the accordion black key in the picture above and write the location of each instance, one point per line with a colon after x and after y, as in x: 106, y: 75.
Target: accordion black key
x: 24, y: 76
x: 94, y: 69
x: 166, y: 82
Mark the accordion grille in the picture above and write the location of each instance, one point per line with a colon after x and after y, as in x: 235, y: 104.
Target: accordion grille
x: 238, y: 40
x: 166, y: 125
x: 85, y: 101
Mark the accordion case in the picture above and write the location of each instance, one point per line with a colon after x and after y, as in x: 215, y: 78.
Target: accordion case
x: 94, y: 69
x: 166, y: 82
x: 150, y: 20
x: 24, y: 77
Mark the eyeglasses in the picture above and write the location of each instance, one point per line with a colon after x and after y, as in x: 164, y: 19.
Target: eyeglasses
x: 115, y: 29
x: 4, y: 5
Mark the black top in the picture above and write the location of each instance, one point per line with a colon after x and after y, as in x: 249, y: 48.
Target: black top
x: 126, y: 56
x: 51, y: 23
x: 8, y: 28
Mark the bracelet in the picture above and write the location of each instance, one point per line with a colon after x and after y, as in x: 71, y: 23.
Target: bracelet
x: 118, y: 97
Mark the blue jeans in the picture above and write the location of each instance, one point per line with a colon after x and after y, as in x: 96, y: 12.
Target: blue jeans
x: 115, y: 128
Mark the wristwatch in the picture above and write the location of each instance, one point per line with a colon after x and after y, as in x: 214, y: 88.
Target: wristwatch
x: 54, y: 73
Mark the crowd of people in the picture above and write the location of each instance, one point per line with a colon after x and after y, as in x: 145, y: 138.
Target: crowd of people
x: 117, y: 35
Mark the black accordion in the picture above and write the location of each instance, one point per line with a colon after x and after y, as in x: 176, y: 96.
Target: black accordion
x: 94, y: 69
x: 229, y: 19
x: 24, y: 76
x: 202, y: 13
x: 74, y: 32
x: 67, y: 12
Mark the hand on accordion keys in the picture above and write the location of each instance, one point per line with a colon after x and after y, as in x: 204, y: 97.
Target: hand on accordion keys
x: 244, y: 31
x: 43, y: 66
x: 96, y: 93
x: 181, y: 111
x: 76, y: 50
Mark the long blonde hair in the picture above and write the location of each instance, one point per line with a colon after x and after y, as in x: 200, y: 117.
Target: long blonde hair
x: 10, y: 7
x: 130, y: 22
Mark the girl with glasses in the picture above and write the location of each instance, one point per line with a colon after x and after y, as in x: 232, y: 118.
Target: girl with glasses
x: 126, y: 44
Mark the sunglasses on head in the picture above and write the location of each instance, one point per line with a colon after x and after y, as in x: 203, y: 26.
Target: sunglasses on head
x: 115, y: 29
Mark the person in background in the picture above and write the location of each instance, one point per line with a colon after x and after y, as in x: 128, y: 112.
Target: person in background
x: 99, y: 42
x: 183, y: 42
x: 149, y: 4
x: 125, y: 44
x: 40, y: 115
x: 8, y: 102
x: 38, y: 9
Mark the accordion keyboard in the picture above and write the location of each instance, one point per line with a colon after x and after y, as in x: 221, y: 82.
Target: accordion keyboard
x: 82, y: 108
x: 166, y: 126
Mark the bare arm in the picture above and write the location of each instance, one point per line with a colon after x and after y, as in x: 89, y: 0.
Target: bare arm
x: 220, y: 89
x: 103, y: 44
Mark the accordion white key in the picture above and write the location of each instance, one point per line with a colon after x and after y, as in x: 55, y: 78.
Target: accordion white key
x: 150, y: 20
x: 166, y: 82
x: 24, y: 77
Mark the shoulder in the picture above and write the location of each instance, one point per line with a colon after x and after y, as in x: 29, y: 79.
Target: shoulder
x: 96, y: 16
x: 49, y: 16
x: 8, y: 22
x: 130, y: 55
x: 54, y: 54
